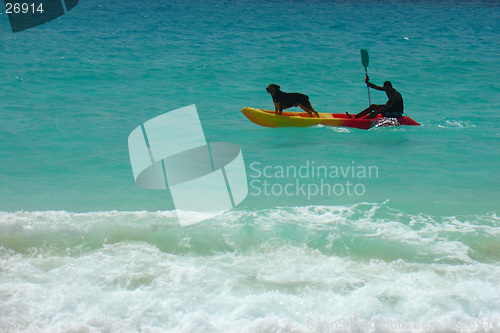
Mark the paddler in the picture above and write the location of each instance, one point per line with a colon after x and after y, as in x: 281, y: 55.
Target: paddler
x: 392, y: 109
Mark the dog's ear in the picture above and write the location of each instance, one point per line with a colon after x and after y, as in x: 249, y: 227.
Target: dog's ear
x: 277, y: 86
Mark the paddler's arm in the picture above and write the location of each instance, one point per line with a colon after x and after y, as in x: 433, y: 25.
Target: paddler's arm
x: 373, y: 86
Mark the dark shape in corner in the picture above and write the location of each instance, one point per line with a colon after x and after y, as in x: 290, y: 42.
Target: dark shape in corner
x: 26, y: 14
x: 70, y: 4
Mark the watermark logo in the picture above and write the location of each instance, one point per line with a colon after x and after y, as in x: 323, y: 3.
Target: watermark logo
x: 170, y: 152
x: 26, y: 14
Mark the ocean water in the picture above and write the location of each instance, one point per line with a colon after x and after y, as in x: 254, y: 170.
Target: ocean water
x: 399, y: 234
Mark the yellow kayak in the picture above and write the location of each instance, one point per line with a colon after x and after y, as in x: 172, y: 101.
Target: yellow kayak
x: 268, y: 118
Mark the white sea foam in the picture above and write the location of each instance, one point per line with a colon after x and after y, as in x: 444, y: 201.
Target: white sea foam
x: 355, y: 268
x: 457, y: 124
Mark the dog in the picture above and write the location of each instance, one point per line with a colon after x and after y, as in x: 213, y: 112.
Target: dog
x: 283, y: 100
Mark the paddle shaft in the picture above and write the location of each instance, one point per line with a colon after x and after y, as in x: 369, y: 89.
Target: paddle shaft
x: 365, y: 60
x: 368, y: 89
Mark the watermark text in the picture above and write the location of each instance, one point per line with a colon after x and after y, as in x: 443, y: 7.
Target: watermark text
x: 310, y: 179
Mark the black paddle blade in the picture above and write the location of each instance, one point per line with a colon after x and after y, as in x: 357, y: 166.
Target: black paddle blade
x: 365, y: 60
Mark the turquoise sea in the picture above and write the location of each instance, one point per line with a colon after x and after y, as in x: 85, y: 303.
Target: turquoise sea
x: 412, y: 246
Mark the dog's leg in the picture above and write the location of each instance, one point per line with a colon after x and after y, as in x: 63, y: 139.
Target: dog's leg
x: 276, y: 108
x: 303, y: 107
x: 312, y: 109
x: 309, y: 109
x: 315, y: 112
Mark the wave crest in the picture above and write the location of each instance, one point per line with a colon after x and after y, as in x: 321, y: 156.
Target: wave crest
x: 364, y: 231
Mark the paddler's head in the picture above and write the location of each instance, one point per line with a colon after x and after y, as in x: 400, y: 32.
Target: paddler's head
x: 388, y: 87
